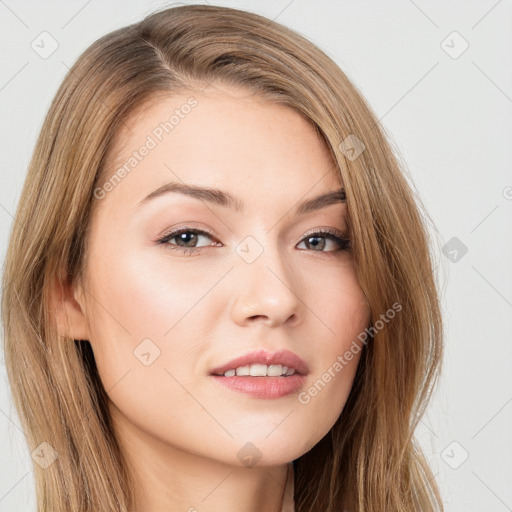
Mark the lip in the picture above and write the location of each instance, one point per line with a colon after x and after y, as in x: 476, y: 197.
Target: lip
x: 263, y: 387
x: 283, y: 357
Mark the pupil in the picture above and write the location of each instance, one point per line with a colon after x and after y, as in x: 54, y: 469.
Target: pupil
x: 321, y: 244
x: 183, y: 236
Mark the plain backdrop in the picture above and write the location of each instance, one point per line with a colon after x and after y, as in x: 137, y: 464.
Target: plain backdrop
x: 438, y: 74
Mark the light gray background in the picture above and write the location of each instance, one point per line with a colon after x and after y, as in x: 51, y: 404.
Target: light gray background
x: 450, y: 119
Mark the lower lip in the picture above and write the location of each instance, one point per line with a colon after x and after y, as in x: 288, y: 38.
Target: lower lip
x: 263, y: 387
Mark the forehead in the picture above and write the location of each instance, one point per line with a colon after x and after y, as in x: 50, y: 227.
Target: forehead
x: 222, y: 137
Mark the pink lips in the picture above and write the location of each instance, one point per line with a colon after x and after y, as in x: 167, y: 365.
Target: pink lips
x: 264, y: 387
x: 283, y: 357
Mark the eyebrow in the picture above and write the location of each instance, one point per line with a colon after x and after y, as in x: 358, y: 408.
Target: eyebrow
x: 221, y: 198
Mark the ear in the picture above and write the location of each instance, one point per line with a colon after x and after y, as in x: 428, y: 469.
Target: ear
x: 67, y: 306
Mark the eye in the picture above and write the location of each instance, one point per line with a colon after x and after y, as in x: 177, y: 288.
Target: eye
x: 311, y: 239
x: 187, y: 240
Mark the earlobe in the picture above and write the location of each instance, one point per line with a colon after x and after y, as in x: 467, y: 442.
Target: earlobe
x: 67, y: 309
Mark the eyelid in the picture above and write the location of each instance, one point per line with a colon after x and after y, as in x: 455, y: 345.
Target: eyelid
x: 333, y: 231
x: 189, y: 226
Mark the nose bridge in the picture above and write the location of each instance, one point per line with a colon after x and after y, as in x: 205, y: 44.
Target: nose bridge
x: 266, y: 284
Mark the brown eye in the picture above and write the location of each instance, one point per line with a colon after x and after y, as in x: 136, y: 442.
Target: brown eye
x: 186, y: 240
x: 317, y: 241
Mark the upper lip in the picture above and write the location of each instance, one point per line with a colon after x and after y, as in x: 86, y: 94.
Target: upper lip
x: 283, y: 357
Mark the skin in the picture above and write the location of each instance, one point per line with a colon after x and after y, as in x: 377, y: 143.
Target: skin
x: 181, y: 432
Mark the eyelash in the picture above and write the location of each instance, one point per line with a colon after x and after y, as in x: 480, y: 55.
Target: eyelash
x: 343, y: 242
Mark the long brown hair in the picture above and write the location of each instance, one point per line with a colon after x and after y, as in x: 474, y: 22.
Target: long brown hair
x: 369, y: 461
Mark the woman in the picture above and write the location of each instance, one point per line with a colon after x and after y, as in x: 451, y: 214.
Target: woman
x: 280, y: 354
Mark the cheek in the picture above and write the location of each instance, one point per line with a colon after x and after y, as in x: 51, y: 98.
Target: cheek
x: 341, y: 306
x: 152, y: 297
x: 147, y: 323
x: 147, y: 308
x: 344, y: 315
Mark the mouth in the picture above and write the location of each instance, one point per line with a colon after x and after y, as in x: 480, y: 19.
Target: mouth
x: 263, y: 374
x: 259, y: 370
x: 261, y: 363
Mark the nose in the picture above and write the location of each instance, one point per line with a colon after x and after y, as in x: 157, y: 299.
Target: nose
x: 267, y: 291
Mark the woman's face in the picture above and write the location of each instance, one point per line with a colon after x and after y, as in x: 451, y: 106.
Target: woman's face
x: 163, y: 315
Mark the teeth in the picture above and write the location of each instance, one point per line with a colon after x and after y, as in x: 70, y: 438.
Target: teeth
x: 243, y: 371
x: 274, y: 370
x: 260, y: 370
